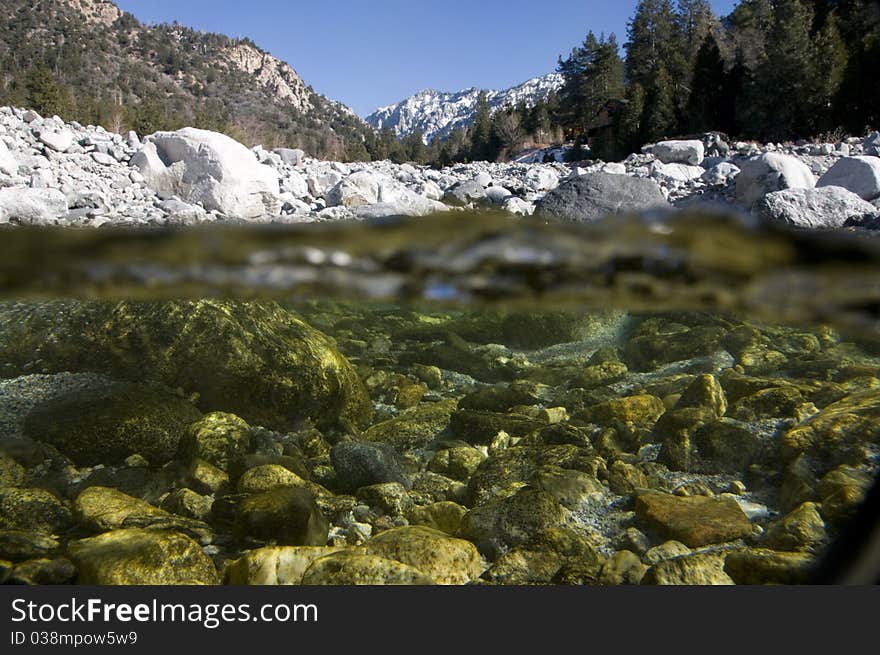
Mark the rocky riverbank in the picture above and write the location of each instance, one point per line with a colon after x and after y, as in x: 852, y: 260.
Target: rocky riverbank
x: 213, y: 441
x: 52, y: 172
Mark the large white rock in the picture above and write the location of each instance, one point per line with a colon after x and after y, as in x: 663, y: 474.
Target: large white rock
x: 210, y: 168
x: 296, y: 184
x: 675, y: 172
x: 680, y: 152
x: 377, y: 194
x: 59, y: 140
x: 8, y: 164
x: 861, y: 175
x: 518, y: 206
x: 290, y: 156
x: 823, y: 207
x: 541, y: 179
x: 31, y: 206
x: 721, y: 173
x: 771, y: 172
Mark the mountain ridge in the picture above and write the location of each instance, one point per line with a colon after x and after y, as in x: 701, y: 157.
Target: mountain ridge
x: 436, y: 113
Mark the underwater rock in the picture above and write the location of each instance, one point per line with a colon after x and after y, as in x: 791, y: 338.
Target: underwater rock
x: 275, y: 565
x: 802, y: 529
x: 19, y: 545
x: 693, y: 569
x: 133, y: 556
x: 511, y: 521
x: 444, y: 516
x: 693, y: 520
x: 105, y: 426
x: 360, y: 464
x: 522, y: 566
x: 347, y: 568
x: 101, y: 509
x: 33, y: 509
x: 253, y: 359
x: 752, y: 566
x: 219, y: 438
x: 413, y: 428
x: 287, y: 516
x: 443, y: 558
x: 43, y: 571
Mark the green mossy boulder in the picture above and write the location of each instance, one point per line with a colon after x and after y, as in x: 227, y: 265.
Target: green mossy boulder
x: 274, y: 565
x: 107, y: 425
x: 754, y: 566
x: 254, y: 359
x: 101, y: 509
x: 693, y: 569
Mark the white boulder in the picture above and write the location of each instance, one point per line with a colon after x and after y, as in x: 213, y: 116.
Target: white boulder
x: 720, y: 174
x: 861, y: 175
x: 518, y: 206
x: 58, y: 140
x: 209, y: 168
x: 32, y: 206
x: 541, y: 179
x: 680, y: 152
x: 771, y: 172
x: 8, y: 165
x: 681, y: 173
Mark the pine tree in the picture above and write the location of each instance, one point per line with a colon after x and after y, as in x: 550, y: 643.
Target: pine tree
x: 709, y: 105
x: 784, y: 78
x: 628, y: 123
x: 483, y: 143
x: 651, y: 41
x: 829, y: 68
x: 660, y: 115
x: 44, y: 94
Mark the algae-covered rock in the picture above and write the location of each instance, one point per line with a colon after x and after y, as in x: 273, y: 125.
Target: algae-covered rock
x: 727, y: 445
x: 445, y: 559
x: 764, y: 566
x: 11, y: 472
x: 19, y: 545
x: 102, y: 508
x: 187, y: 503
x: 107, y: 425
x: 133, y: 556
x: 43, y: 571
x: 522, y: 566
x: 413, y: 428
x: 444, y: 515
x: 275, y: 565
x: 839, y: 433
x: 288, y: 516
x: 268, y: 476
x: 359, y: 464
x: 389, y: 498
x: 511, y: 521
x: 571, y: 488
x: 801, y: 529
x: 458, y: 463
x: 253, y: 359
x: 641, y: 409
x: 347, y: 568
x: 219, y: 438
x: 694, y: 569
x: 623, y: 567
x: 39, y: 510
x: 480, y: 427
x: 693, y: 520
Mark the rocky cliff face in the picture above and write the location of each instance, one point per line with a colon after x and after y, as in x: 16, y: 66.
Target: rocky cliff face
x: 97, y: 12
x: 435, y: 113
x: 274, y: 75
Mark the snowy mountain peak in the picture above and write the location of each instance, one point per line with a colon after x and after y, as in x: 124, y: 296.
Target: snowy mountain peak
x: 437, y: 113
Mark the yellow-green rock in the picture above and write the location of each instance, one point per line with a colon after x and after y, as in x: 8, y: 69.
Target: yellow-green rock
x: 103, y: 508
x: 348, y: 568
x: 275, y: 565
x: 133, y: 556
x: 443, y: 558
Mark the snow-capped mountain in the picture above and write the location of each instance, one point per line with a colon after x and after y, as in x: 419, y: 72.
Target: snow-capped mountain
x: 436, y: 113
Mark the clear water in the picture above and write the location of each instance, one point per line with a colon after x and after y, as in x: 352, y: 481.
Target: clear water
x: 656, y: 400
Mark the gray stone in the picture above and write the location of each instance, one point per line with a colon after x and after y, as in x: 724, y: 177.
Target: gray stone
x: 465, y: 193
x: 596, y: 195
x: 360, y: 464
x: 290, y: 156
x: 8, y: 164
x: 60, y: 141
x: 823, y: 207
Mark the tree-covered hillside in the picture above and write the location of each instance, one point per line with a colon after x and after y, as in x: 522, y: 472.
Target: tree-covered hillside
x: 86, y: 60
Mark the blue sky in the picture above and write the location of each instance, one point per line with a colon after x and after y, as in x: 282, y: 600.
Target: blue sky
x: 369, y: 53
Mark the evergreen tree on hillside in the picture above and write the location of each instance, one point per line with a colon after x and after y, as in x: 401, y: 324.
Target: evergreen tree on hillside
x: 829, y: 68
x: 660, y: 115
x: 43, y: 93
